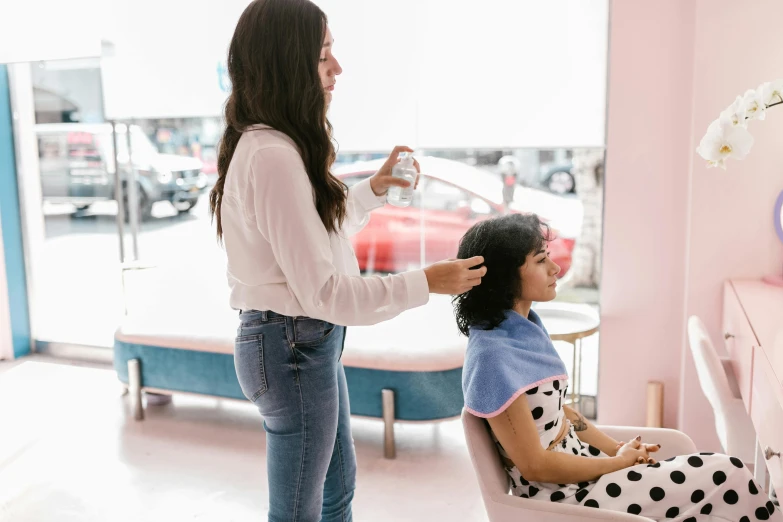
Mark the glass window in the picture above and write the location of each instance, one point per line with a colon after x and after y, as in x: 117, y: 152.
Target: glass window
x: 77, y: 287
x: 482, y: 157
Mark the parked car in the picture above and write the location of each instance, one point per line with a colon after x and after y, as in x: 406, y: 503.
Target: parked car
x: 559, y: 178
x: 451, y: 197
x: 77, y: 167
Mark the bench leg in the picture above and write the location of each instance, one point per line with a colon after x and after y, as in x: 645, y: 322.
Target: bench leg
x: 134, y: 387
x: 389, y: 450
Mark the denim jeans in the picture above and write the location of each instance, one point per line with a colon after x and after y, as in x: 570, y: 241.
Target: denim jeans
x: 290, y: 368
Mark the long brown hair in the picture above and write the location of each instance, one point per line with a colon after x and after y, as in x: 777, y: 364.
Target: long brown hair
x: 273, y: 67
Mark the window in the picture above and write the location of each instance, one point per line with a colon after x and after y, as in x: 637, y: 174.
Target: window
x: 512, y: 119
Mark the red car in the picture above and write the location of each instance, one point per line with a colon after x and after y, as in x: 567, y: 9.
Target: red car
x: 451, y: 197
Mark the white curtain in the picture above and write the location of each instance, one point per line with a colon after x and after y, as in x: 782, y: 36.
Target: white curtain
x: 457, y: 74
x: 428, y: 73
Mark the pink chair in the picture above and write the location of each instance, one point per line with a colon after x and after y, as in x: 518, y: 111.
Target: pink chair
x: 732, y: 423
x: 495, y: 485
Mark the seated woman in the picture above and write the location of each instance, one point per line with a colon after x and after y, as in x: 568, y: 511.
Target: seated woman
x: 514, y: 378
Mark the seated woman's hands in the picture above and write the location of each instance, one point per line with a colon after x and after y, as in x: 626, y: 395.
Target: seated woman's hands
x: 637, y: 453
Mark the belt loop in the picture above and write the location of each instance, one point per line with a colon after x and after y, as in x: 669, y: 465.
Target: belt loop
x: 264, y: 316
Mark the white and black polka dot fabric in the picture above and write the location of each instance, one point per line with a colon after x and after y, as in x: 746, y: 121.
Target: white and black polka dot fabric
x: 704, y: 487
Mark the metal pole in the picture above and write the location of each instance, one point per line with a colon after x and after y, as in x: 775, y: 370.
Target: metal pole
x: 118, y: 193
x: 573, y: 378
x: 133, y: 197
x: 387, y: 398
x: 579, y: 375
x: 134, y: 387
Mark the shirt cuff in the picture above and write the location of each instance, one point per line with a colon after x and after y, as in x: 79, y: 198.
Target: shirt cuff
x: 418, y: 288
x: 366, y: 197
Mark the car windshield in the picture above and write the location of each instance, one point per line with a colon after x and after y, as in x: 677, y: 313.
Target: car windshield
x: 142, y: 145
x: 144, y: 151
x: 478, y: 181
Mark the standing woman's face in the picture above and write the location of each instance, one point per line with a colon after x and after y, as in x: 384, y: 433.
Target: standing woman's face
x: 328, y: 67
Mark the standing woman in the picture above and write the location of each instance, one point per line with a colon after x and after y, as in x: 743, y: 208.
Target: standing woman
x: 285, y: 221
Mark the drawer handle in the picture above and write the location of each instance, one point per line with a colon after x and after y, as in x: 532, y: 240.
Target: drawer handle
x: 728, y: 336
x: 768, y: 453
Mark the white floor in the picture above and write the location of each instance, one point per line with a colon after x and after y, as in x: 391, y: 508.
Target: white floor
x: 70, y: 452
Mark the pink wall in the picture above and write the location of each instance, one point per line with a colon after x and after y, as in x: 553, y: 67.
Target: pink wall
x: 645, y: 209
x: 675, y: 231
x: 731, y: 232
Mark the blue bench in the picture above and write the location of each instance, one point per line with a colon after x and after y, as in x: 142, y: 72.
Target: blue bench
x: 406, y: 369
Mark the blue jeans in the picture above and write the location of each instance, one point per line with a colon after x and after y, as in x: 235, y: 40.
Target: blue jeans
x: 290, y: 368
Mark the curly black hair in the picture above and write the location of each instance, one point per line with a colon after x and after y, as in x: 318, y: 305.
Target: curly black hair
x: 505, y: 243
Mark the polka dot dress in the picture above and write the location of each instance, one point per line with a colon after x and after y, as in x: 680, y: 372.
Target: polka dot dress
x: 703, y: 487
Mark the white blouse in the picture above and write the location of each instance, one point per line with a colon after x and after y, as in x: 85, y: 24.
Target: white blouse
x: 280, y: 256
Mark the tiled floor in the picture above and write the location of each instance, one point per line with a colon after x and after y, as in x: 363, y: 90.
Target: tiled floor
x: 70, y: 452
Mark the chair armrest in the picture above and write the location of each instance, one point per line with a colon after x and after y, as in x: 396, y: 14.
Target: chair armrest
x: 672, y: 442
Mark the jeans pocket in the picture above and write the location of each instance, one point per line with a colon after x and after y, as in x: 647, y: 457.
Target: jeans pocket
x: 309, y: 332
x: 249, y: 365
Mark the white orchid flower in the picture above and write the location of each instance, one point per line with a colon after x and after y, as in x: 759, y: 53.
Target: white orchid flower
x: 753, y: 106
x: 728, y: 136
x: 724, y: 140
x: 771, y: 92
x: 736, y: 112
